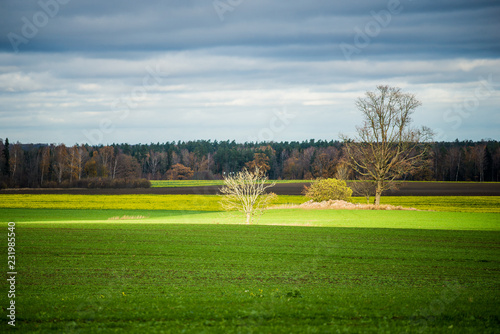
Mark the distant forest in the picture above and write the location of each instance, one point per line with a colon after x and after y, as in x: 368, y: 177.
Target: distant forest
x: 42, y: 165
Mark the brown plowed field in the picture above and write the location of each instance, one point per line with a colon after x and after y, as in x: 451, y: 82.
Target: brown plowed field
x: 406, y: 189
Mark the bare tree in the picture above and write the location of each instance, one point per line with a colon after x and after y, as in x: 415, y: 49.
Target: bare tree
x: 364, y: 187
x: 153, y: 160
x: 60, y: 161
x: 343, y: 171
x: 17, y: 163
x: 44, y: 163
x: 108, y: 161
x: 76, y: 161
x: 386, y: 146
x: 479, y: 160
x: 454, y: 160
x: 325, y: 163
x: 127, y: 167
x: 245, y: 192
x: 495, y: 170
x: 179, y: 172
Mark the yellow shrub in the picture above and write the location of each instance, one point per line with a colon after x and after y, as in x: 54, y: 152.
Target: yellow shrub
x: 328, y: 189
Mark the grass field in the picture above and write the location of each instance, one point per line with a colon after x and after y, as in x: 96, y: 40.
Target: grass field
x: 83, y: 277
x: 290, y: 217
x: 198, y: 183
x: 211, y: 202
x: 185, y: 183
x: 171, y: 264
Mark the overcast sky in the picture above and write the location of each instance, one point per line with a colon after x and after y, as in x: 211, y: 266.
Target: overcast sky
x: 88, y: 71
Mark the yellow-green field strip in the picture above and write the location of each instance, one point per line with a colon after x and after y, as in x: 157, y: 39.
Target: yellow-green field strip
x: 487, y: 204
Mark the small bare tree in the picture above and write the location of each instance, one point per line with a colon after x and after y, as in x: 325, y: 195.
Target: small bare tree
x: 245, y: 192
x: 364, y: 187
x: 386, y: 146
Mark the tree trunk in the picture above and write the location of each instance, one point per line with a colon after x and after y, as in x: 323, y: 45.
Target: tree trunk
x: 59, y: 173
x: 114, y: 168
x: 249, y: 217
x: 378, y: 192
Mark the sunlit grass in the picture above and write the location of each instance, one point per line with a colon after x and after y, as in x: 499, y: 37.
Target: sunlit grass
x: 124, y: 202
x: 212, y: 202
x: 288, y: 217
x: 443, y: 203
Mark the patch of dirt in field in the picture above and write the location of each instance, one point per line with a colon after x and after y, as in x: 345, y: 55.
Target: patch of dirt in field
x: 342, y: 205
x: 127, y: 218
x: 292, y: 224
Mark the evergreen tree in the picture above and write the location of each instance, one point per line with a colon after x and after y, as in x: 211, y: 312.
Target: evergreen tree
x: 6, y: 155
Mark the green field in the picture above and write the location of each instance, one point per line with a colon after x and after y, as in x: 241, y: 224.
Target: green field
x: 184, y: 183
x: 171, y: 264
x: 211, y: 202
x: 124, y: 202
x: 199, y: 183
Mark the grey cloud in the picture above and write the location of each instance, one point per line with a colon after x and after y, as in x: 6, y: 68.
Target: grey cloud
x: 225, y: 77
x: 177, y: 25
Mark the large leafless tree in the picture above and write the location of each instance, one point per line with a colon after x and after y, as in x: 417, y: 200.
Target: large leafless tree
x: 387, y: 146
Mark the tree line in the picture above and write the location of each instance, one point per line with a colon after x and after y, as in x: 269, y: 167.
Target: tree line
x: 50, y: 165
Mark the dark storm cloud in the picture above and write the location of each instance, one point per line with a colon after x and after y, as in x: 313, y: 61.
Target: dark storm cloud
x: 86, y: 26
x: 228, y: 65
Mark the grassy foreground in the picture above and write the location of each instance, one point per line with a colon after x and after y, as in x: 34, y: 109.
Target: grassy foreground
x: 172, y: 264
x: 172, y: 278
